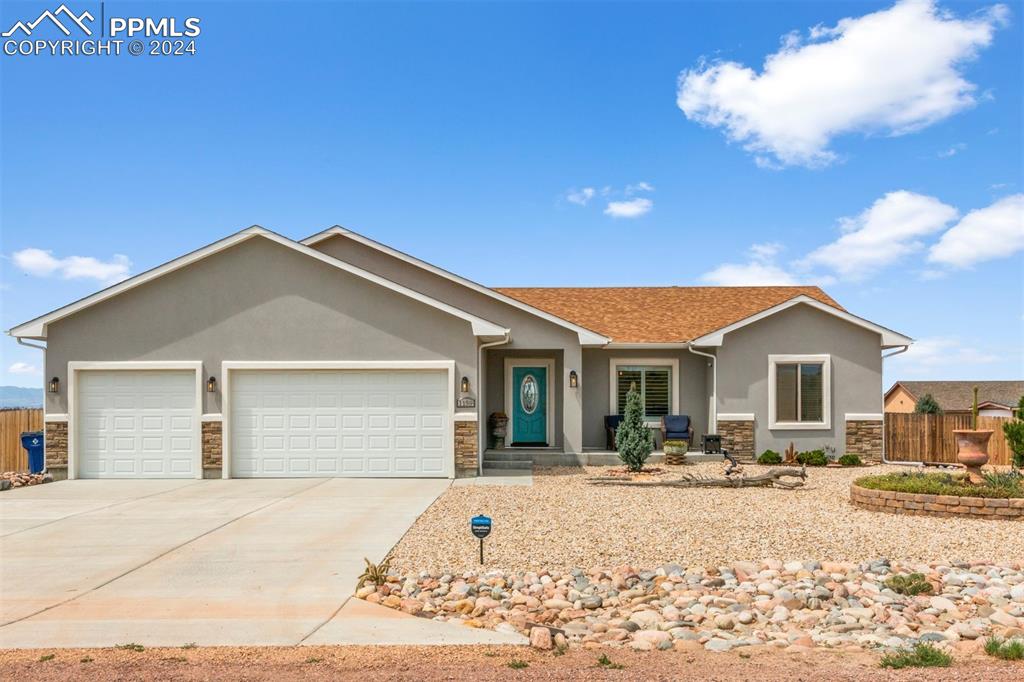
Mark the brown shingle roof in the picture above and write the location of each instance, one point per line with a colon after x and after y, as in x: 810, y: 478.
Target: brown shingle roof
x: 958, y: 395
x: 658, y: 314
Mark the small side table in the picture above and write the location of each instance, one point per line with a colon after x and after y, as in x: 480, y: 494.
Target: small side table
x: 711, y: 444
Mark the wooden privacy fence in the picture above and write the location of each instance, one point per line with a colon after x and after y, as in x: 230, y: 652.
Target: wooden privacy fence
x: 12, y: 424
x: 929, y: 437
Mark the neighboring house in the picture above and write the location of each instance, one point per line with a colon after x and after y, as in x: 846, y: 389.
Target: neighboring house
x: 339, y: 356
x: 995, y: 398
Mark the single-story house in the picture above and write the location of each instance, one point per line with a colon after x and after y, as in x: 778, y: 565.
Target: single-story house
x: 995, y: 398
x: 336, y: 355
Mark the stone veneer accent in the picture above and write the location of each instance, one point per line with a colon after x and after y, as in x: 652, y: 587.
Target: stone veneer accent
x: 466, y: 440
x: 737, y: 438
x: 864, y: 438
x: 936, y: 505
x: 213, y: 445
x: 56, y: 449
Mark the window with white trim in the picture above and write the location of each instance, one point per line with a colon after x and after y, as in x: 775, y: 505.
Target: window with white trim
x: 654, y: 383
x: 799, y: 389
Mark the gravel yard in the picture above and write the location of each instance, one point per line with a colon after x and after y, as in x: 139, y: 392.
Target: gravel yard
x: 561, y: 522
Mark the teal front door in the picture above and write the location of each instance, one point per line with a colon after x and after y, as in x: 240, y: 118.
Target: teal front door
x: 529, y: 405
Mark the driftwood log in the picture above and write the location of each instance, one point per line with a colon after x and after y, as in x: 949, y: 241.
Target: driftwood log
x: 778, y: 478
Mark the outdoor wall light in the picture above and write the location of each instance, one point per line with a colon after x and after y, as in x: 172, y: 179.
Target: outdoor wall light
x: 465, y: 384
x: 54, y: 386
x: 574, y: 380
x: 211, y: 385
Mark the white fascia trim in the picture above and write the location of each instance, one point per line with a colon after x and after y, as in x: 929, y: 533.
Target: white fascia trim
x: 864, y: 416
x: 55, y: 418
x: 586, y: 336
x: 646, y: 346
x: 195, y: 366
x: 213, y: 417
x: 826, y: 362
x: 889, y: 337
x: 736, y: 417
x: 37, y: 328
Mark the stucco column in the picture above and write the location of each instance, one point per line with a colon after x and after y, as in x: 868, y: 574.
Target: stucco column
x: 572, y: 401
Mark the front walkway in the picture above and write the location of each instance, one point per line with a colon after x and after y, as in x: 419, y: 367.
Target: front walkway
x: 217, y: 562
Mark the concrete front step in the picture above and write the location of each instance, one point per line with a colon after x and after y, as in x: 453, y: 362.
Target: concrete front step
x: 508, y: 464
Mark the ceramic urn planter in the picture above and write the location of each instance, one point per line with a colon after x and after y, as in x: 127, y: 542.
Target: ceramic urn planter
x: 972, y: 451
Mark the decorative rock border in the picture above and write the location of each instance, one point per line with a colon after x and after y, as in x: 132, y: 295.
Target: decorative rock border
x: 936, y: 505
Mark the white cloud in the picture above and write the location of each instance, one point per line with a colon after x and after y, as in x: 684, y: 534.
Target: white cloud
x: 952, y: 151
x: 939, y: 358
x: 759, y: 270
x: 749, y: 274
x: 881, y: 235
x: 639, y: 187
x: 581, y: 196
x: 23, y: 368
x: 43, y: 264
x: 634, y: 208
x: 892, y: 71
x: 996, y: 231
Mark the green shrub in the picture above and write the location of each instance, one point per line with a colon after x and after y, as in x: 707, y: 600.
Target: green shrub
x: 769, y: 457
x: 921, y: 656
x: 940, y: 484
x: 633, y: 439
x: 850, y: 461
x: 812, y: 458
x: 926, y: 404
x: 910, y: 584
x: 1012, y: 650
x: 517, y: 664
x: 1014, y: 432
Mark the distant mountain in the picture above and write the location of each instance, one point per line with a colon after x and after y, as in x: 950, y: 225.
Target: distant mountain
x: 17, y: 396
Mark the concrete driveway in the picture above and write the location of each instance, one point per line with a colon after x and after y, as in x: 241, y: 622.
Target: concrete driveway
x: 217, y: 562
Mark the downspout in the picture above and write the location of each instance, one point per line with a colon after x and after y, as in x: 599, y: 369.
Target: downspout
x: 23, y: 342
x: 481, y: 422
x: 903, y: 349
x: 713, y: 412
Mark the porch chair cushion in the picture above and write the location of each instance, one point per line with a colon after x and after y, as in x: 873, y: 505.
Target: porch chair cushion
x: 676, y: 427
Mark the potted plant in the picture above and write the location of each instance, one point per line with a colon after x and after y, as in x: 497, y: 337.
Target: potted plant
x: 972, y: 445
x: 499, y: 429
x: 675, y: 451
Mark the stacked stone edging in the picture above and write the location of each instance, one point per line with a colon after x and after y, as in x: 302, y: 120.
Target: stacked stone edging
x: 919, y: 504
x: 466, y: 433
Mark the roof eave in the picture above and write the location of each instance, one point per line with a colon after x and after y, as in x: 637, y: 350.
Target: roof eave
x: 890, y: 338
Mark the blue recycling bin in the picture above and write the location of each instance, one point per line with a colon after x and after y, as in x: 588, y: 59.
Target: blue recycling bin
x: 33, y: 441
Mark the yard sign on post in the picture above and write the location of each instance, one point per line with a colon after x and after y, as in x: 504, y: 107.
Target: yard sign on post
x: 481, y: 527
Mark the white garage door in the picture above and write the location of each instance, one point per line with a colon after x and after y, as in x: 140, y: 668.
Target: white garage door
x: 340, y: 423
x: 136, y: 424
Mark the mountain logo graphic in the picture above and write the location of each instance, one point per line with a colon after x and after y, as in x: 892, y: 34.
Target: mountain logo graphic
x: 70, y: 16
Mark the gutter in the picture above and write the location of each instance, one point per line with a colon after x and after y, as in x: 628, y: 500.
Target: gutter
x: 481, y: 430
x: 903, y: 349
x: 713, y: 412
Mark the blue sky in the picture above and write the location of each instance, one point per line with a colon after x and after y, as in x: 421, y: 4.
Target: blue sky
x: 547, y: 144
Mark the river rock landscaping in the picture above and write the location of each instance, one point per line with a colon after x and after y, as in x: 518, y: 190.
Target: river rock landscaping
x: 562, y: 522
x: 794, y: 606
x: 19, y: 479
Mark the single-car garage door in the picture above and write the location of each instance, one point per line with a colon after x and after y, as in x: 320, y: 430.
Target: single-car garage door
x: 136, y: 424
x: 340, y: 423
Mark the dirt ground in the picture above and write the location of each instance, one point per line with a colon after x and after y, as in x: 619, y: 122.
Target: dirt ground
x: 476, y: 663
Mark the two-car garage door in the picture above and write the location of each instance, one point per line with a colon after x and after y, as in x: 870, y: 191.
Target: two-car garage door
x: 379, y: 423
x: 340, y: 423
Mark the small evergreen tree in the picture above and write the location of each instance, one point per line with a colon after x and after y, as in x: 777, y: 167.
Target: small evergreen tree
x: 633, y: 439
x: 926, y: 404
x: 1014, y: 432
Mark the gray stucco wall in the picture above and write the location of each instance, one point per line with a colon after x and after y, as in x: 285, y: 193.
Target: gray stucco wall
x: 528, y: 330
x: 258, y: 300
x: 693, y: 395
x: 856, y: 372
